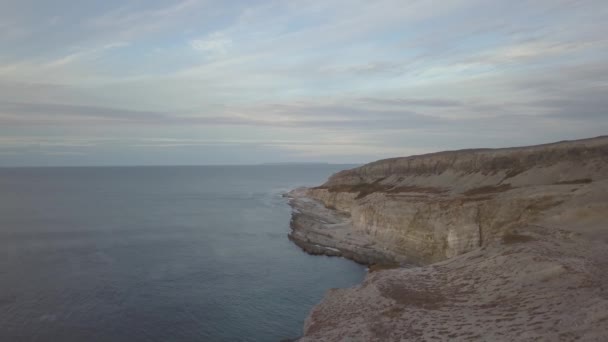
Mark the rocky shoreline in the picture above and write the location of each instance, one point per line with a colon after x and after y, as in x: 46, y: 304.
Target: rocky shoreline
x: 510, y: 244
x: 319, y: 230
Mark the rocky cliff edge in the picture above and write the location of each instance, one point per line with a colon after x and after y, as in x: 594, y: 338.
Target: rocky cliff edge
x: 509, y: 244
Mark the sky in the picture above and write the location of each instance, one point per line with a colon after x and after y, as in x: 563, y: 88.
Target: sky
x: 192, y: 82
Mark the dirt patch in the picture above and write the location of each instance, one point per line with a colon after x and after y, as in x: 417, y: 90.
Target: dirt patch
x: 381, y: 267
x: 576, y: 181
x: 429, y: 299
x: 364, y: 189
x: 488, y: 189
x: 393, y: 312
x: 543, y: 204
x: 514, y: 172
x: 512, y: 238
x: 475, y: 199
x: 368, y: 189
x: 420, y: 189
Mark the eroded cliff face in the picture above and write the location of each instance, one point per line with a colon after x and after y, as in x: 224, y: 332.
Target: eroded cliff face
x: 433, y: 207
x: 512, y: 245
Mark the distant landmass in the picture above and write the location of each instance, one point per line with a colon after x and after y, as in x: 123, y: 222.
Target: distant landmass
x: 297, y: 163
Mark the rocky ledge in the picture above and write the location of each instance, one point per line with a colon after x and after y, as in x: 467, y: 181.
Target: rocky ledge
x: 509, y: 244
x: 320, y: 230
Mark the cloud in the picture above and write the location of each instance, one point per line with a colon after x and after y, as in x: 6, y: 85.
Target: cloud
x: 591, y: 104
x: 215, y: 43
x: 129, y: 22
x: 30, y: 113
x: 295, y: 116
x: 64, y: 153
x: 364, y: 69
x: 73, y: 57
x: 430, y: 102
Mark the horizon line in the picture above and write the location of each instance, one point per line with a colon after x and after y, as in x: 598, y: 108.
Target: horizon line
x: 171, y: 165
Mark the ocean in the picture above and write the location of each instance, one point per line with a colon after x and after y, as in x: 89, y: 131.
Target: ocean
x: 157, y: 254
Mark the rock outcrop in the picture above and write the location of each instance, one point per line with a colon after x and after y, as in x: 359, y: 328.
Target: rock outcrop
x: 515, y: 241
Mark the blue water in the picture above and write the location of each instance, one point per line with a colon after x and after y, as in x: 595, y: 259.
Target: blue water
x: 157, y: 254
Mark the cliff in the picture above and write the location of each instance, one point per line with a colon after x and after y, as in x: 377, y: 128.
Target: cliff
x: 517, y: 234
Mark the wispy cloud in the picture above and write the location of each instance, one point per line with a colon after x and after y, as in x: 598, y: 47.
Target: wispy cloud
x: 64, y: 153
x: 73, y: 57
x: 409, y: 102
x: 215, y: 43
x: 129, y: 21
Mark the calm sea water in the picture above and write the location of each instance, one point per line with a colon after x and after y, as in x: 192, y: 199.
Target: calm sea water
x: 157, y: 254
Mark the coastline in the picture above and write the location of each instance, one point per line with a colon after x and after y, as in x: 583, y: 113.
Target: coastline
x: 505, y: 249
x: 319, y: 230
